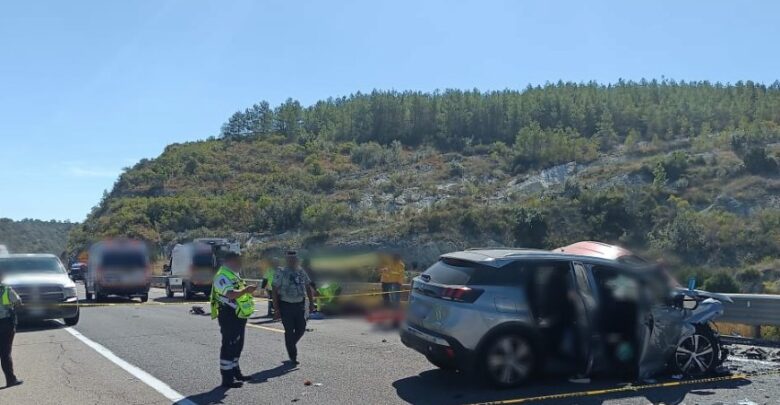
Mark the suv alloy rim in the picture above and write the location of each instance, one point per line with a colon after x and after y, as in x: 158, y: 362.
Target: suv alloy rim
x: 695, y: 354
x: 509, y: 360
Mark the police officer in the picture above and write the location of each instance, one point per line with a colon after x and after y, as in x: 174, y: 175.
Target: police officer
x: 8, y: 302
x: 291, y: 286
x: 231, y: 303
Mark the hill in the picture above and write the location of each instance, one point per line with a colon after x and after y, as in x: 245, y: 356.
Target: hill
x: 34, y: 236
x: 688, y: 169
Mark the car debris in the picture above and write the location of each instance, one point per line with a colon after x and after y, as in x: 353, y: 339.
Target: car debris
x: 197, y: 310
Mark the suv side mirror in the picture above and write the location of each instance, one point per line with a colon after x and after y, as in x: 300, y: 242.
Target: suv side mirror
x: 685, y: 301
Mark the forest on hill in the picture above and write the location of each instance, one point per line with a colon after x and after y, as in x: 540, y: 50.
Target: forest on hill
x: 34, y: 236
x: 685, y: 168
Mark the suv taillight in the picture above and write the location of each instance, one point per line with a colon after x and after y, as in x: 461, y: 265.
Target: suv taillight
x: 461, y: 294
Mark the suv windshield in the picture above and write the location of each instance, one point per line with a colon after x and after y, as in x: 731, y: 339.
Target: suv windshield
x: 124, y: 259
x: 20, y: 265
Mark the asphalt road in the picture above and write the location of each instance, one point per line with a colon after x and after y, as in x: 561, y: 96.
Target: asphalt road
x: 347, y: 361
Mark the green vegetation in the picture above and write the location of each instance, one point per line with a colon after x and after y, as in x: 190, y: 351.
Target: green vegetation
x: 34, y: 236
x: 688, y: 169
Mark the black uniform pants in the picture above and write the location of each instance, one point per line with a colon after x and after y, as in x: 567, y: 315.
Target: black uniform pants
x: 232, y: 329
x: 7, y: 332
x: 294, y: 321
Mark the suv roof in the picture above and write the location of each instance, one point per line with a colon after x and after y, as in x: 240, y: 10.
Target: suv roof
x: 500, y: 257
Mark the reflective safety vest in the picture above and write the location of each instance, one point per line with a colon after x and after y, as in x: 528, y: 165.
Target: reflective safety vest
x: 244, y: 305
x: 5, y: 299
x: 327, y: 293
x: 269, y: 276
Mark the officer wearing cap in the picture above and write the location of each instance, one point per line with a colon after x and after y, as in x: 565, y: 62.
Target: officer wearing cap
x: 291, y: 286
x: 231, y: 304
x: 9, y: 300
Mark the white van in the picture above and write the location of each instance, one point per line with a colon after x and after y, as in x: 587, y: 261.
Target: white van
x: 4, y: 251
x: 192, y: 266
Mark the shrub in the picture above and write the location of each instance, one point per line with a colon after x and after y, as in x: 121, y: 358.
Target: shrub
x: 757, y: 161
x: 722, y: 283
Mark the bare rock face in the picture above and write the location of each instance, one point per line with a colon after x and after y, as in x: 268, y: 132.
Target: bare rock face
x: 546, y: 179
x: 729, y: 204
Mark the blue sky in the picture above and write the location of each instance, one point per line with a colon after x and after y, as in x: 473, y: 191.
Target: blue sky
x: 90, y: 87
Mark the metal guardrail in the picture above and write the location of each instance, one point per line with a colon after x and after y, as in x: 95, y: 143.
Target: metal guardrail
x: 752, y: 309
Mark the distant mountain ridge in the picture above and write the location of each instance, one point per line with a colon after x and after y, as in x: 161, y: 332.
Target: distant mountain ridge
x: 34, y: 236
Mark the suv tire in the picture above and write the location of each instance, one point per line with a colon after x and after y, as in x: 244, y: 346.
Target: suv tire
x: 699, y: 354
x: 508, y: 360
x: 73, y: 320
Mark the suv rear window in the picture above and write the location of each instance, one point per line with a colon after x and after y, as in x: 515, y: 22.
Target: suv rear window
x: 461, y: 272
x: 124, y: 259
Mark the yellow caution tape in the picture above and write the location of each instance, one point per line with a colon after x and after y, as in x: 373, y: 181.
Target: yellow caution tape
x: 630, y: 388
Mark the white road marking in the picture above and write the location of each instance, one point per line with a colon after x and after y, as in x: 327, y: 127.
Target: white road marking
x: 142, y: 375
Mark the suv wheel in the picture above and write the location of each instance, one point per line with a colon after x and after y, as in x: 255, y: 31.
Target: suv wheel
x: 73, y: 320
x: 508, y: 360
x: 145, y: 298
x: 698, y: 354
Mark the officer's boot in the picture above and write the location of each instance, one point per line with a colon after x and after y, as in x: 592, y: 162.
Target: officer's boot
x: 228, y: 379
x: 240, y: 376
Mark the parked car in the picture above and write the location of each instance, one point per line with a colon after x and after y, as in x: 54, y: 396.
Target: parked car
x: 4, y: 251
x: 118, y: 267
x: 77, y: 271
x: 507, y: 314
x: 43, y: 285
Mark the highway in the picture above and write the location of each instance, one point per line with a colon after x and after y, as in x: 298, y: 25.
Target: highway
x: 162, y: 354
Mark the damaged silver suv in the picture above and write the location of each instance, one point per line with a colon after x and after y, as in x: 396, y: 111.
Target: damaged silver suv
x: 509, y: 313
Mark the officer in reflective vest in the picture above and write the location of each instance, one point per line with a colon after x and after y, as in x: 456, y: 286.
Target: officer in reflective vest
x: 231, y: 304
x: 8, y: 302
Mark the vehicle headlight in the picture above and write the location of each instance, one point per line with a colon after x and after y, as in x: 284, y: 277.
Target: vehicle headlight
x: 70, y: 292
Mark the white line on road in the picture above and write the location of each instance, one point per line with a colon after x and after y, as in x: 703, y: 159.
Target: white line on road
x: 145, y: 377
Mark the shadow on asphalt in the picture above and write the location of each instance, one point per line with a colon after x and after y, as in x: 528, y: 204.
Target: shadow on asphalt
x: 278, y: 371
x: 179, y: 299
x: 215, y: 396
x: 449, y: 387
x: 37, y: 326
x: 218, y: 394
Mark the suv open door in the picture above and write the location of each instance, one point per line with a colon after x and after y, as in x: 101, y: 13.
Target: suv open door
x: 587, y: 315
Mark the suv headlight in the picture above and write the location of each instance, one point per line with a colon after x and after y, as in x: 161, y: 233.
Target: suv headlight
x: 70, y: 292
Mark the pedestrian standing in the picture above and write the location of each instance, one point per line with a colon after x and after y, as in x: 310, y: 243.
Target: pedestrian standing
x: 268, y: 281
x: 231, y: 304
x: 291, y: 287
x: 9, y: 300
x: 392, y: 277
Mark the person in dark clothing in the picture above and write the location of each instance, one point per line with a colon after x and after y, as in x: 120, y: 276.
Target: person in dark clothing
x: 231, y: 304
x: 9, y: 300
x: 291, y: 287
